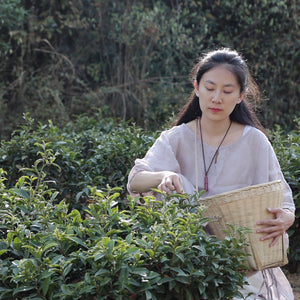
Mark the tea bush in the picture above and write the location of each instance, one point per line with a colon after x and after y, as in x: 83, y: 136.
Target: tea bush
x: 151, y: 251
x: 287, y: 148
x: 100, y: 151
x: 89, y: 151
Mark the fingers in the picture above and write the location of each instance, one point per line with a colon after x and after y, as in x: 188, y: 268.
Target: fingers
x: 268, y: 222
x: 274, y: 211
x: 275, y: 238
x: 272, y: 235
x: 170, y: 183
x: 274, y: 228
x: 271, y: 225
x: 178, y: 184
x: 283, y: 220
x: 274, y: 241
x: 169, y: 187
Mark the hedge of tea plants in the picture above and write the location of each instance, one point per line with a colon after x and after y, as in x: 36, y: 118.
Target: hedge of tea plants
x: 89, y: 151
x: 67, y: 224
x: 150, y: 251
x: 287, y: 148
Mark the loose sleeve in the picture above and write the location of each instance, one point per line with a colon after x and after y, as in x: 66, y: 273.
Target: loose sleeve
x: 161, y: 157
x: 275, y: 174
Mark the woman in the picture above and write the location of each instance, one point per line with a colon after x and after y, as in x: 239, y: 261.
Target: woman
x: 218, y: 131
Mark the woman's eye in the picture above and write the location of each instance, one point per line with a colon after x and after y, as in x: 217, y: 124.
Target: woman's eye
x: 227, y: 92
x: 209, y: 89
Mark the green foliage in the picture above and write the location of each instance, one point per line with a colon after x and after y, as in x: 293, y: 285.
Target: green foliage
x: 150, y: 251
x: 12, y: 18
x: 101, y: 151
x: 288, y: 153
x: 64, y: 58
x: 88, y: 151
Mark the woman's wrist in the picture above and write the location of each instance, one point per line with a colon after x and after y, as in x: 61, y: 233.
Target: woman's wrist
x: 289, y: 211
x: 145, y: 180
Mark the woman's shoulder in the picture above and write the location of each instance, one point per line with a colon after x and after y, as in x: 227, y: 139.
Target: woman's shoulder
x: 176, y: 135
x: 255, y: 136
x: 176, y: 130
x: 254, y: 132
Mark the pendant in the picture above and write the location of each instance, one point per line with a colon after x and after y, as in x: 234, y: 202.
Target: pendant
x: 206, y: 183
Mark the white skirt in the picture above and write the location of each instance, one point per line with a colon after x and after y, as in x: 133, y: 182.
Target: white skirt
x: 269, y: 284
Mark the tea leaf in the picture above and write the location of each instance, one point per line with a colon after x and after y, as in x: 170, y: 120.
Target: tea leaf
x: 22, y: 289
x: 132, y: 251
x: 50, y: 245
x: 102, y: 272
x: 182, y: 279
x: 2, y: 251
x: 67, y: 269
x: 21, y: 192
x: 99, y: 256
x: 179, y: 271
x: 45, y: 285
x: 66, y: 290
x: 76, y: 240
x: 17, y: 243
x: 110, y: 247
x: 150, y: 252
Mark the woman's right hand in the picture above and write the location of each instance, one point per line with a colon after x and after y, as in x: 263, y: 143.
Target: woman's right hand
x: 170, y: 182
x: 165, y: 181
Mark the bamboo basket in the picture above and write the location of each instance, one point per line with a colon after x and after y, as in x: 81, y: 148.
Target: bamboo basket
x: 244, y: 207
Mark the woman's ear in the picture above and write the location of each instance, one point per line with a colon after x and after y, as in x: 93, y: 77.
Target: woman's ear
x: 241, y: 98
x: 196, y: 88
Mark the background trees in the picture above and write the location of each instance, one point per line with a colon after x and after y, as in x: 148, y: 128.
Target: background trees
x: 63, y: 58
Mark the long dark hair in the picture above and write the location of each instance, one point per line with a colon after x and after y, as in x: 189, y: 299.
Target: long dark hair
x: 244, y: 112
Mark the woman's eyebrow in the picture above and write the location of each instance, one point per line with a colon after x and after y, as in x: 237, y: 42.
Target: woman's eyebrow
x: 226, y: 85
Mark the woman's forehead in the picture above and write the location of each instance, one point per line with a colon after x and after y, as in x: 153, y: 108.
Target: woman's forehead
x: 220, y: 75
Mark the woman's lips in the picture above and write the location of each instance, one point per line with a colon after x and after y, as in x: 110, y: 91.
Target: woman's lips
x: 215, y: 110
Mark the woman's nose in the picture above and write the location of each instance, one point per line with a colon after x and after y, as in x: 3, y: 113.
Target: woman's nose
x: 216, y: 97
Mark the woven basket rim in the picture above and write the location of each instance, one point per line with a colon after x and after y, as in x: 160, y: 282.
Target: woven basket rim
x: 246, y: 190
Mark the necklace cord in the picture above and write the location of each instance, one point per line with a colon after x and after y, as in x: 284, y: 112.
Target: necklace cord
x: 203, y: 155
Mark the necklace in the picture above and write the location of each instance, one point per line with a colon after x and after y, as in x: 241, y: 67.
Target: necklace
x: 203, y: 155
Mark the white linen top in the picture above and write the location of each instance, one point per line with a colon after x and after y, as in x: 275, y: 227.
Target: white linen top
x: 248, y: 161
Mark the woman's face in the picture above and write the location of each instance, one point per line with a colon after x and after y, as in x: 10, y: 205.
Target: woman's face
x: 218, y: 92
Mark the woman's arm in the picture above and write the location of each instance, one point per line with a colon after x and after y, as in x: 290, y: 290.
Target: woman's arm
x: 284, y: 217
x: 165, y: 181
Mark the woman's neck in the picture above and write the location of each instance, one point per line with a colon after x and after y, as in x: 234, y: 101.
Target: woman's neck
x: 213, y: 132
x: 214, y: 129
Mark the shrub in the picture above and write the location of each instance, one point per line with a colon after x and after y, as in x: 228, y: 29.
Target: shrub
x: 287, y: 148
x: 150, y: 251
x: 89, y: 152
x: 100, y: 151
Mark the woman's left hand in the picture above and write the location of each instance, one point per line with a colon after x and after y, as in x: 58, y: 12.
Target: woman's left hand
x: 274, y: 228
